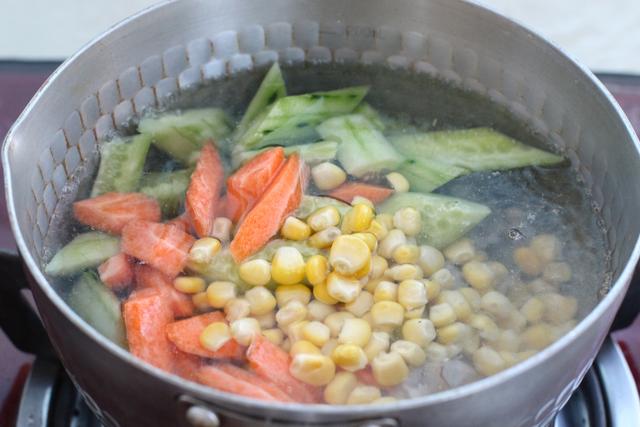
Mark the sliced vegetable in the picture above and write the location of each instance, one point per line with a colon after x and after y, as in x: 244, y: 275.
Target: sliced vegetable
x: 228, y: 380
x: 182, y: 135
x: 168, y: 188
x: 111, y: 212
x: 162, y: 246
x: 346, y: 192
x: 426, y: 175
x: 182, y: 222
x: 476, y: 149
x: 186, y: 365
x: 117, y: 271
x: 204, y: 190
x: 86, y: 250
x: 185, y: 335
x: 444, y: 219
x: 291, y: 120
x: 310, y: 204
x: 316, y: 152
x: 149, y: 277
x: 222, y: 267
x: 370, y: 113
x: 254, y: 379
x: 265, y: 219
x: 121, y: 164
x: 363, y: 149
x: 98, y: 306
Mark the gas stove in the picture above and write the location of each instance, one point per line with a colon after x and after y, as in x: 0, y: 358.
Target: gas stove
x: 36, y: 392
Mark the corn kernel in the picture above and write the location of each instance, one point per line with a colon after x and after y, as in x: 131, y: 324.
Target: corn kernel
x: 317, y: 310
x: 402, y: 272
x: 275, y: 335
x: 316, y: 269
x: 342, y: 288
x: 243, y: 330
x: 361, y: 305
x: 360, y: 199
x: 415, y: 313
x: 303, y: 346
x: 486, y: 327
x: 533, y: 310
x: 500, y: 272
x: 203, y: 250
x: 327, y: 176
x: 368, y: 238
x: 335, y: 321
x: 557, y: 273
x: 547, y: 247
x: 444, y: 278
x: 408, y: 220
x: 472, y: 296
x: 261, y: 300
x: 528, y: 261
x: 267, y: 320
x: 406, y: 254
x: 430, y: 259
x: 457, y: 301
x: 316, y: 333
x: 323, y: 239
x: 387, y: 314
x: 398, y: 182
x: 189, y: 285
x: 393, y: 239
x: 509, y: 357
x: 364, y: 394
x: 453, y: 350
x: 329, y: 346
x: 314, y: 369
x: 538, y: 336
x: 321, y: 293
x: 293, y: 311
x: 519, y: 294
x: 539, y: 286
x: 295, y: 229
x: 558, y: 308
x: 454, y: 333
x: 286, y: 345
x: 471, y: 344
x: 201, y: 301
x: 497, y: 304
x: 221, y: 229
x: 412, y: 294
x: 378, y: 343
x: 385, y: 291
x: 287, y: 266
x: 349, y: 255
x: 378, y: 266
x: 338, y: 390
x: 479, y: 275
x: 237, y: 308
x: 386, y: 220
x: 295, y: 330
x: 288, y: 293
x: 508, y: 341
x: 433, y: 289
x: 435, y: 352
x: 256, y: 272
x: 219, y: 293
x: 349, y: 357
x: 515, y: 321
x: 360, y: 218
x: 442, y: 315
x: 460, y: 252
x: 419, y: 331
x: 215, y: 336
x: 488, y: 361
x: 324, y: 218
x: 389, y: 369
x: 411, y: 352
x: 367, y: 317
x: 371, y: 284
x: 378, y: 229
x: 355, y: 331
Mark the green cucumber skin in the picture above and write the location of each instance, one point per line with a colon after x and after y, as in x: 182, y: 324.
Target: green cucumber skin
x: 121, y: 165
x: 168, y: 188
x: 316, y: 152
x: 182, y: 135
x: 363, y: 148
x: 427, y: 175
x: 476, y: 149
x: 445, y: 219
x: 291, y: 120
x: 87, y: 250
x: 98, y: 306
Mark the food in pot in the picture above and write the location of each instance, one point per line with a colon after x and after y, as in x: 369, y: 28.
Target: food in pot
x: 310, y: 253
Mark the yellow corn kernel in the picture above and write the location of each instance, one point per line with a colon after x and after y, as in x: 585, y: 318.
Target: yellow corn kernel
x: 329, y: 346
x: 528, y: 261
x: 360, y: 217
x: 267, y: 320
x: 500, y: 272
x: 363, y: 394
x: 408, y: 220
x: 360, y: 199
x: 433, y: 289
x: 415, y: 313
x: 460, y: 252
x: 389, y: 369
x: 472, y: 296
x: 342, y: 288
x: 201, y: 301
x: 442, y: 315
x: 355, y: 331
x: 287, y: 266
x: 361, y: 305
x: 538, y: 336
x: 533, y: 310
x: 349, y: 255
x: 219, y: 293
x: 286, y: 345
x: 256, y: 272
x: 486, y: 327
x: 335, y: 321
x: 297, y: 292
x: 401, y: 272
x: 295, y: 330
x: 412, y: 294
x: 338, y: 390
x: 393, y: 239
x: 317, y: 310
x: 387, y: 314
x: 189, y: 284
x: 457, y: 301
x: 203, y: 250
x: 508, y: 341
x: 479, y: 275
x: 316, y: 333
x: 496, y: 304
x: 303, y: 346
x: 323, y: 239
x: 215, y: 336
x: 430, y: 259
x: 398, y: 182
x: 327, y: 176
x: 316, y: 269
x: 444, y: 278
x: 243, y: 330
x: 378, y: 343
x: 275, y: 335
x: 547, y: 247
x: 368, y: 238
x: 324, y: 218
x: 519, y: 293
x: 435, y: 352
x: 371, y: 285
x: 454, y: 333
x: 557, y: 273
x: 385, y: 291
x: 558, y: 308
x: 237, y: 308
x: 419, y: 331
x: 295, y: 229
x: 378, y: 229
x: 292, y: 311
x: 349, y: 357
x: 314, y: 369
x: 261, y: 300
x: 321, y: 293
x: 406, y: 254
x: 487, y: 361
x: 378, y: 266
x: 539, y: 286
x: 411, y: 352
x: 515, y: 320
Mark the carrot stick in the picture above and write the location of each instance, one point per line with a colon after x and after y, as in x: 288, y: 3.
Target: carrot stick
x: 346, y: 192
x: 148, y: 277
x: 204, y: 190
x: 111, y: 212
x: 215, y: 377
x: 251, y: 377
x: 182, y: 222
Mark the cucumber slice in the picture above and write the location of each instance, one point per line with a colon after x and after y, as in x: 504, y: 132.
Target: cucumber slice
x: 271, y: 89
x: 310, y: 204
x: 221, y: 267
x: 372, y: 114
x: 363, y: 149
x: 98, y: 306
x: 316, y: 152
x: 86, y: 250
x: 444, y: 219
x: 121, y: 164
x: 291, y: 120
x: 477, y: 149
x: 426, y: 175
x: 181, y: 135
x: 168, y: 188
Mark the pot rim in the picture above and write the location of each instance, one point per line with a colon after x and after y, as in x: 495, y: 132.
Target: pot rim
x: 369, y: 411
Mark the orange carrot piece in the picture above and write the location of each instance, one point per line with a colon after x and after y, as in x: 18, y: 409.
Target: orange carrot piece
x: 111, y: 212
x: 148, y: 277
x: 247, y: 184
x: 146, y: 314
x: 346, y: 192
x: 215, y: 377
x: 204, y: 190
x: 162, y: 246
x: 117, y: 272
x: 182, y: 222
x: 272, y: 364
x: 186, y: 365
x: 253, y: 378
x: 265, y: 219
x: 185, y: 335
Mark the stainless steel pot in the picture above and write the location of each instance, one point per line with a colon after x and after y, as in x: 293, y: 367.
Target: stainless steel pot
x: 169, y: 47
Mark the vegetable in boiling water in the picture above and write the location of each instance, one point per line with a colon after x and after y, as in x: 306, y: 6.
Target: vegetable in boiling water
x: 84, y: 251
x: 121, y: 164
x: 168, y: 188
x: 317, y: 152
x: 425, y: 175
